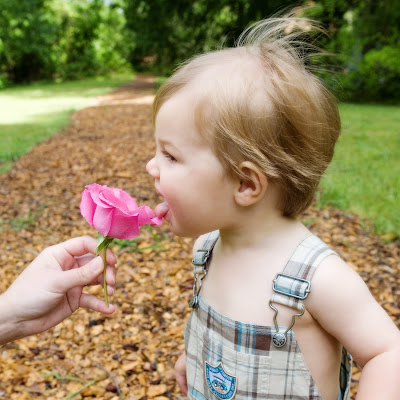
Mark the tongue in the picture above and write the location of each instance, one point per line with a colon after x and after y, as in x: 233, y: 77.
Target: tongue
x: 162, y: 209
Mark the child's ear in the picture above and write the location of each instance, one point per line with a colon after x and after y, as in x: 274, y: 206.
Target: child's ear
x: 251, y: 188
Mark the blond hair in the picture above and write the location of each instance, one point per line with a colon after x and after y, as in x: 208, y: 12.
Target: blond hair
x: 259, y: 102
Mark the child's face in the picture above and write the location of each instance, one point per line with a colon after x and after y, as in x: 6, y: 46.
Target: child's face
x: 188, y: 174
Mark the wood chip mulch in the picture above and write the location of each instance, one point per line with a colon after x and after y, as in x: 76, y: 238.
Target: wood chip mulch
x: 131, y: 354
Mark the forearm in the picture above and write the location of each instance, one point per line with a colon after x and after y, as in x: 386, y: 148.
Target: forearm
x: 380, y: 377
x: 9, y: 328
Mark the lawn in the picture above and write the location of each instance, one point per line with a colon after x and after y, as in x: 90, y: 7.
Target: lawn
x: 364, y: 176
x: 31, y: 113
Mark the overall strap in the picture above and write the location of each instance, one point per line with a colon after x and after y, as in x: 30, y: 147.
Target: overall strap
x: 200, y: 263
x: 292, y: 286
x: 202, y: 255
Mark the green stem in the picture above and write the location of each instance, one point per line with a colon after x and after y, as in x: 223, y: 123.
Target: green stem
x: 104, y: 275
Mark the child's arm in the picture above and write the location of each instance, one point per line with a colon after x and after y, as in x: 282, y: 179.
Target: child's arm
x: 180, y: 373
x: 50, y: 288
x: 342, y: 304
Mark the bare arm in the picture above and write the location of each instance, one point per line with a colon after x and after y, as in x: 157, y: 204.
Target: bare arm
x: 341, y: 302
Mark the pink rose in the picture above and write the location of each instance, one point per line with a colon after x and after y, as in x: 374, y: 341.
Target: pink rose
x: 114, y: 213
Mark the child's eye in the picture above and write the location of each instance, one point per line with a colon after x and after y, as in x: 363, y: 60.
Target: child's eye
x: 168, y: 156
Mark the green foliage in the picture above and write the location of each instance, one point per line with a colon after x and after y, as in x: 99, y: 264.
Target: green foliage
x: 362, y: 67
x: 365, y: 36
x: 27, y: 32
x: 103, y: 243
x: 135, y: 245
x: 70, y: 39
x: 166, y: 33
x: 59, y: 39
x: 380, y: 73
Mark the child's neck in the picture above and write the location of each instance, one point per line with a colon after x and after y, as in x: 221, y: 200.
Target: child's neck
x: 255, y: 247
x: 261, y: 228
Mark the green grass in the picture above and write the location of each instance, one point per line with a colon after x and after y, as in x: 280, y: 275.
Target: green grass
x: 364, y: 176
x: 32, y: 113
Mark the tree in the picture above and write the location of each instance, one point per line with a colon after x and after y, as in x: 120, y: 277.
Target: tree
x: 63, y: 39
x: 365, y: 38
x: 167, y: 33
x: 28, y: 32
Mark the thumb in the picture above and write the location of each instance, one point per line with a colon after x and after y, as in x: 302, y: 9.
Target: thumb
x: 84, y: 275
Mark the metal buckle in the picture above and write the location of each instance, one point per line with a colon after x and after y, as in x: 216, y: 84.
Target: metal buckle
x: 198, y: 274
x: 279, y: 338
x: 307, y: 290
x: 204, y: 258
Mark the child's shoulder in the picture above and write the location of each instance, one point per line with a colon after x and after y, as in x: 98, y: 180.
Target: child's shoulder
x: 334, y: 276
x: 333, y: 272
x: 335, y: 288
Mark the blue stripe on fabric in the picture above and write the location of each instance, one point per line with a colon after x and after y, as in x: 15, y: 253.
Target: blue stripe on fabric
x: 196, y: 395
x: 239, y: 331
x: 254, y: 336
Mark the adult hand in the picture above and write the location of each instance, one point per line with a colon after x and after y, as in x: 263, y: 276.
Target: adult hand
x: 50, y: 288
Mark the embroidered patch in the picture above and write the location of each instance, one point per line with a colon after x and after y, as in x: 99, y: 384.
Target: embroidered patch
x: 221, y: 384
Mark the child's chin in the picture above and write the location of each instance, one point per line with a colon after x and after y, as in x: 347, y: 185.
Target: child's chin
x: 181, y: 232
x: 178, y: 230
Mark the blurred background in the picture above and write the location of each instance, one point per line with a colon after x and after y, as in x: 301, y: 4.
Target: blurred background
x: 71, y: 39
x: 56, y: 55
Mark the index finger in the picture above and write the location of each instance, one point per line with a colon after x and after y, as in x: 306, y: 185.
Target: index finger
x: 82, y: 245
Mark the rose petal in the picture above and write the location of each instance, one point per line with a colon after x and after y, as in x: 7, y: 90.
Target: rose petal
x: 142, y: 215
x: 113, y: 212
x: 119, y: 198
x: 102, y: 220
x: 95, y: 191
x: 156, y: 221
x: 124, y: 226
x: 125, y: 197
x: 87, y: 207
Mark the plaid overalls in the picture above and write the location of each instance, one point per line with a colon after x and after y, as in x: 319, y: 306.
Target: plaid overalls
x: 227, y: 359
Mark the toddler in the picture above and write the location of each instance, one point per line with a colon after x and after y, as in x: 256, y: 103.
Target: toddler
x: 243, y: 137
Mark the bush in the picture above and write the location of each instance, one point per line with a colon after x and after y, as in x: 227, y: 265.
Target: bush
x: 380, y: 73
x: 60, y: 40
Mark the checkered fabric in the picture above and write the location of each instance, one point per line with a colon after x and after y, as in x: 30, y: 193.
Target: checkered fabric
x: 303, y: 263
x: 243, y: 355
x: 202, y: 255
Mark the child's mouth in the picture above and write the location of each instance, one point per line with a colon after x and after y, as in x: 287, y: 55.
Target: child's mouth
x: 162, y: 209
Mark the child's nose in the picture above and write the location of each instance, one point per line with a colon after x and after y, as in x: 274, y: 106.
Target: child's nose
x: 152, y: 168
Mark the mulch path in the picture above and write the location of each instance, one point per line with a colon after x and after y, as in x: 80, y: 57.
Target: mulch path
x: 130, y: 354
